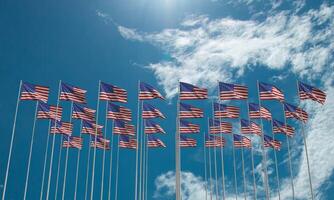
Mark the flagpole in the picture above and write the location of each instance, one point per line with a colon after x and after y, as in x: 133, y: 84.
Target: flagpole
x: 264, y: 162
x: 88, y: 166
x: 111, y: 157
x: 104, y: 151
x: 205, y: 171
x: 210, y: 174
x: 234, y: 168
x: 277, y: 173
x: 306, y: 151
x: 117, y: 166
x: 243, y: 171
x: 146, y: 174
x: 145, y: 165
x: 177, y: 150
x: 30, y: 152
x: 53, y: 144
x: 214, y: 153
x: 77, y: 166
x: 11, y: 142
x: 143, y: 159
x: 137, y: 134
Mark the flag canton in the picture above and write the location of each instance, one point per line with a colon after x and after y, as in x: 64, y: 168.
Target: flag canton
x: 34, y: 92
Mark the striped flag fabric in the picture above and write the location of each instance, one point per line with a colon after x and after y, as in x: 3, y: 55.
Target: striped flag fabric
x: 212, y: 141
x: 270, y: 92
x: 99, y: 142
x: 71, y: 93
x: 45, y: 111
x: 280, y: 127
x: 217, y: 127
x: 118, y: 112
x: 187, y: 142
x: 189, y: 111
x: 229, y: 91
x: 147, y: 92
x: 34, y: 92
x: 126, y: 142
x: 150, y: 111
x: 257, y: 112
x: 241, y: 141
x: 310, y: 92
x: 82, y: 112
x: 249, y: 127
x: 60, y: 127
x: 188, y: 127
x: 89, y: 127
x: 72, y: 142
x: 110, y: 92
x: 152, y: 127
x: 225, y: 111
x: 191, y: 92
x: 292, y: 111
x: 123, y: 128
x: 270, y: 142
x: 154, y: 142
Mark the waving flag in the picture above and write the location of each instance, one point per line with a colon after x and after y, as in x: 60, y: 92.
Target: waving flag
x: 187, y: 142
x: 211, y: 141
x: 123, y: 128
x: 147, y: 92
x: 241, y: 141
x: 280, y: 127
x: 255, y: 112
x: 270, y: 142
x: 217, y: 127
x: 310, y: 92
x: 72, y: 93
x: 82, y: 112
x: 118, y: 112
x: 188, y: 92
x: 127, y: 142
x: 189, y: 111
x: 45, y: 111
x: 34, y: 92
x: 154, y: 142
x: 225, y: 111
x: 150, y: 111
x: 249, y: 127
x: 61, y: 127
x: 110, y: 92
x: 292, y: 111
x: 232, y: 91
x: 100, y: 142
x: 270, y: 92
x: 89, y: 127
x: 187, y: 127
x: 72, y: 142
x: 152, y: 127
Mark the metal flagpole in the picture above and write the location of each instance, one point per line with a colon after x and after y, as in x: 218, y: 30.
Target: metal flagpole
x: 141, y: 161
x: 146, y: 174
x: 30, y: 152
x: 306, y: 152
x: 235, y: 169
x: 77, y: 166
x: 58, y: 169
x: 143, y: 164
x: 205, y: 172
x: 117, y: 166
x: 137, y: 134
x: 111, y: 157
x: 243, y: 171
x: 88, y: 166
x: 210, y: 174
x: 277, y: 173
x: 104, y: 151
x: 177, y: 150
x: 11, y: 142
x: 215, y: 154
x: 264, y: 162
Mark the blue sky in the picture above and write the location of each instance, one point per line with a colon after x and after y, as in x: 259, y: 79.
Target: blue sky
x: 161, y: 42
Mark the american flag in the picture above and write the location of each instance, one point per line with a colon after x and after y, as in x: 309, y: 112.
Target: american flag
x: 150, y: 111
x: 241, y: 141
x: 72, y: 93
x: 249, y: 127
x: 61, y: 127
x: 127, y: 142
x: 225, y: 111
x: 217, y: 127
x: 270, y: 92
x: 232, y: 91
x: 45, y: 111
x: 154, y: 142
x: 110, y: 92
x: 310, y: 92
x: 89, y: 127
x: 100, y: 142
x: 34, y: 92
x: 255, y: 112
x: 270, y: 142
x: 212, y: 141
x: 152, y: 127
x: 292, y: 111
x: 188, y: 92
x: 187, y: 142
x: 148, y: 92
x: 82, y: 112
x: 280, y: 127
x: 123, y: 128
x: 189, y: 111
x: 187, y: 127
x: 72, y: 142
x: 118, y: 112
